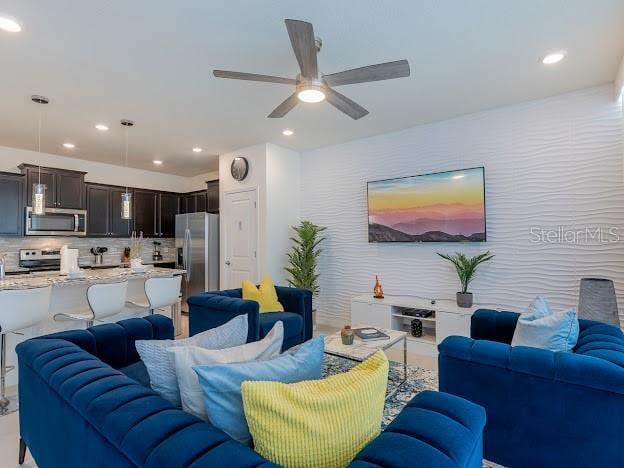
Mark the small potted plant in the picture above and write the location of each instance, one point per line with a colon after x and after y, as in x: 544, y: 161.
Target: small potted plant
x: 466, y: 268
x: 303, y: 256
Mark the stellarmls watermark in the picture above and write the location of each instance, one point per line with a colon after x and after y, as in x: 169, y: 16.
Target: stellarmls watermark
x: 568, y: 235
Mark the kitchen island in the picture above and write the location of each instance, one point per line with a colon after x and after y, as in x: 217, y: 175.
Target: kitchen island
x: 70, y: 295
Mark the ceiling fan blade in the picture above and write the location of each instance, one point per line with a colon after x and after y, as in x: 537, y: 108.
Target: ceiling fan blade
x: 285, y: 107
x: 379, y: 72
x: 253, y: 77
x: 344, y: 104
x: 303, y: 43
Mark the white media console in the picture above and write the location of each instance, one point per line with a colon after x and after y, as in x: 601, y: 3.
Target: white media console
x: 448, y: 318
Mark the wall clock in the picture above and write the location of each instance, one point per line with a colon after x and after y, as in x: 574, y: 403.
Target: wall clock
x: 239, y: 168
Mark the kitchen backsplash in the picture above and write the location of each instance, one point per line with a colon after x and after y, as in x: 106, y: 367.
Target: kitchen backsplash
x: 11, y: 246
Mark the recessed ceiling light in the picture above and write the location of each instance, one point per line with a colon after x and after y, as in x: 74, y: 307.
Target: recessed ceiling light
x: 553, y: 57
x: 157, y: 162
x: 197, y: 149
x: 69, y: 145
x: 9, y: 25
x: 102, y: 127
x: 287, y: 132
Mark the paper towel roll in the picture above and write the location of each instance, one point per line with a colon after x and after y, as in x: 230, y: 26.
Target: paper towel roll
x: 69, y: 260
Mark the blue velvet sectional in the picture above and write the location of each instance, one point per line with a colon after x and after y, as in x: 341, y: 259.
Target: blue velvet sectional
x: 84, y: 403
x: 211, y: 309
x: 544, y: 409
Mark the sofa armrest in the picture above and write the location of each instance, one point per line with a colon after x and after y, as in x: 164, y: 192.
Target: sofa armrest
x: 570, y: 368
x: 298, y: 301
x: 434, y: 429
x: 207, y: 311
x: 492, y: 325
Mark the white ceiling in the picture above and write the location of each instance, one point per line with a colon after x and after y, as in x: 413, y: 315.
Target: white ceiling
x: 151, y: 61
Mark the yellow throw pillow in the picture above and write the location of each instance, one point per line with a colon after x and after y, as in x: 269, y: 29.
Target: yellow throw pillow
x: 266, y: 296
x: 317, y: 423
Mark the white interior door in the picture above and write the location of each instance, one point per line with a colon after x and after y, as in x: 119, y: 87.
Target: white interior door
x: 240, y: 236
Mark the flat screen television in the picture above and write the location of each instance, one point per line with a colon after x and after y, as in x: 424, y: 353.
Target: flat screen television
x: 440, y: 207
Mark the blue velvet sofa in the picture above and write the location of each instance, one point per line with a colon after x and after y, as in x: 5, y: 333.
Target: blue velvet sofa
x: 211, y: 309
x: 84, y: 403
x: 544, y: 409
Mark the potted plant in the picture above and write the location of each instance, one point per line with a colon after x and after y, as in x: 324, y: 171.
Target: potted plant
x: 303, y: 256
x: 466, y: 268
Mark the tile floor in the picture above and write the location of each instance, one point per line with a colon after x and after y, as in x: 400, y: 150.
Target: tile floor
x: 9, y: 425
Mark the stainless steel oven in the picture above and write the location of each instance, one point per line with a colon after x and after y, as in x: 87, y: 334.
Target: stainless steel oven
x: 56, y: 222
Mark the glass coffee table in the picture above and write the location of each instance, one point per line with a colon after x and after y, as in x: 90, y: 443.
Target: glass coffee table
x: 361, y: 350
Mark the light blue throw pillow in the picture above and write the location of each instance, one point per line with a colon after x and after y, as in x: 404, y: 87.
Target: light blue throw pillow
x: 161, y: 369
x: 221, y: 383
x: 540, y: 327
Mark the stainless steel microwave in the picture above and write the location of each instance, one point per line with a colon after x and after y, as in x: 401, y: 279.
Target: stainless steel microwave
x: 56, y: 222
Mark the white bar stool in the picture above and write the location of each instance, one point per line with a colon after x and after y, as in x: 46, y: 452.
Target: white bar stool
x: 105, y: 300
x: 19, y: 309
x: 160, y: 293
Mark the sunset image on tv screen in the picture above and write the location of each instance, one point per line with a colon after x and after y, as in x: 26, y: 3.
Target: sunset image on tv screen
x: 442, y: 207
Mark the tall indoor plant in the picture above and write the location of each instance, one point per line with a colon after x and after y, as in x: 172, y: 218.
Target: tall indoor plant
x: 303, y: 256
x: 466, y: 268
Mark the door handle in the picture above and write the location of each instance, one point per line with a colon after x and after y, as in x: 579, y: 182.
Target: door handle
x: 190, y: 264
x: 227, y: 263
x: 184, y: 250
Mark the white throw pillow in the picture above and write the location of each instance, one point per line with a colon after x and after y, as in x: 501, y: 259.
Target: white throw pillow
x: 184, y: 358
x: 540, y: 327
x: 161, y: 370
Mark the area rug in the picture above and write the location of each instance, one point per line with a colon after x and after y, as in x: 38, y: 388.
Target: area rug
x: 417, y: 380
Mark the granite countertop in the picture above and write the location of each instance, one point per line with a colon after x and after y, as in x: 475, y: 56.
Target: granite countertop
x: 90, y: 277
x: 16, y: 270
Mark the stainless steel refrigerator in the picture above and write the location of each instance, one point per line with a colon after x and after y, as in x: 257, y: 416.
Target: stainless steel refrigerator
x: 197, y: 247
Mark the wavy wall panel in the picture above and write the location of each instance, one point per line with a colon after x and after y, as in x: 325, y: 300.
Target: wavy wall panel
x: 549, y: 163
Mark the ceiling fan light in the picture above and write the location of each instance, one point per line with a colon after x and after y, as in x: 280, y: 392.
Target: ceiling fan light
x: 311, y: 94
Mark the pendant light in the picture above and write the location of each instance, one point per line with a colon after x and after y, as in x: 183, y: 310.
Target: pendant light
x: 39, y: 189
x: 126, y: 197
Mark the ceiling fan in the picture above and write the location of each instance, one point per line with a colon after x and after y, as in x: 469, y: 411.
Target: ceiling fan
x: 312, y: 86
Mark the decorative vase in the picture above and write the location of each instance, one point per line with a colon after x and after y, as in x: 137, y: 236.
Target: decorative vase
x: 597, y: 301
x: 416, y: 328
x: 464, y: 299
x: 346, y: 334
x: 378, y: 290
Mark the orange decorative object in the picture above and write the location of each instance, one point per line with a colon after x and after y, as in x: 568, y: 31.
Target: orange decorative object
x: 378, y: 290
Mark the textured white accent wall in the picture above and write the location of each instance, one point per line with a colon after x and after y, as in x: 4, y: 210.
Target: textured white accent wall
x: 549, y: 163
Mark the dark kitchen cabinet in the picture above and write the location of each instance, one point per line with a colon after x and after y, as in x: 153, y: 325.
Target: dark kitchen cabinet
x: 70, y: 190
x: 187, y: 203
x: 46, y: 177
x: 118, y: 227
x: 167, y: 211
x: 64, y: 188
x: 104, y: 212
x: 11, y: 204
x: 196, y: 202
x: 212, y: 196
x: 200, y: 202
x: 145, y: 212
x: 98, y: 210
